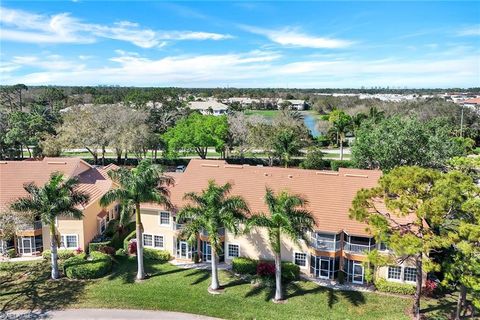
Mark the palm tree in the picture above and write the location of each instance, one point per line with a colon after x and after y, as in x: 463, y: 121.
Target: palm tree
x: 286, y: 216
x: 341, y: 124
x: 145, y: 183
x: 212, y: 209
x: 286, y: 145
x: 58, y: 197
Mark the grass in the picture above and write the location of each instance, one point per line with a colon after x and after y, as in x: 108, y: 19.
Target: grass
x: 26, y: 286
x: 264, y: 113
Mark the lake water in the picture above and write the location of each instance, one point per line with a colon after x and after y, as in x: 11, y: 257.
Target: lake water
x: 311, y: 123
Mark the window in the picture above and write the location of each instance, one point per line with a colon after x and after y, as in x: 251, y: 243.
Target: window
x: 103, y: 225
x: 164, y: 217
x: 410, y: 274
x: 394, y: 272
x: 69, y: 241
x: 147, y: 240
x: 300, y: 259
x: 158, y: 241
x: 233, y: 250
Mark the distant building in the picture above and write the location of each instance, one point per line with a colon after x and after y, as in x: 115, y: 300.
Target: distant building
x: 293, y: 104
x: 209, y: 107
x: 472, y: 103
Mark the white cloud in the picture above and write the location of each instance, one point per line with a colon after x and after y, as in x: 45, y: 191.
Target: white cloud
x: 250, y: 69
x: 292, y: 37
x: 23, y: 26
x: 469, y: 31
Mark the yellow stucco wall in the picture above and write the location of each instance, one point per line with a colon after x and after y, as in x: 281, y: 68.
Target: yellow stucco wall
x: 151, y: 225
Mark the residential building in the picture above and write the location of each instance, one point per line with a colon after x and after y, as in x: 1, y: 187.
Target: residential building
x: 338, y: 244
x: 33, y: 238
x: 209, y: 107
x: 292, y: 104
x: 471, y: 103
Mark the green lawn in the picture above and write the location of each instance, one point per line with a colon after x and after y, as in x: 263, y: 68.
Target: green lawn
x: 26, y: 286
x: 264, y: 113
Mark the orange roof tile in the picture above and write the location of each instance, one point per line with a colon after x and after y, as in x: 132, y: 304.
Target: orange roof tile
x: 329, y: 193
x: 14, y: 174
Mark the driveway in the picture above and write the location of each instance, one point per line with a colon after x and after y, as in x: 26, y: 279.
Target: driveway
x: 101, y: 314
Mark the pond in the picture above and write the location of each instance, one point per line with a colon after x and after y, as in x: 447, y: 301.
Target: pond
x: 311, y: 123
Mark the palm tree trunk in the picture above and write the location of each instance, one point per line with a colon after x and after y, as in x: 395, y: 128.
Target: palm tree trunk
x: 341, y: 148
x: 54, y: 256
x: 139, y: 231
x: 278, y: 277
x: 278, y: 269
x: 215, y: 284
x: 418, y: 292
x: 462, y: 295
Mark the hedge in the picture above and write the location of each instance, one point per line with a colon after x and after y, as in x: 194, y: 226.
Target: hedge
x: 82, y: 266
x: 62, y: 254
x: 290, y: 271
x: 336, y: 164
x: 111, y: 228
x: 98, y: 246
x: 157, y: 255
x: 244, y: 265
x: 394, y: 287
x: 127, y: 239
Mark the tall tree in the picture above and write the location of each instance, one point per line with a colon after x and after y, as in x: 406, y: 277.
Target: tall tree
x: 145, y: 183
x: 397, y: 141
x: 197, y: 133
x: 287, y: 144
x: 341, y: 124
x: 407, y: 210
x: 211, y: 210
x: 287, y: 216
x: 58, y: 197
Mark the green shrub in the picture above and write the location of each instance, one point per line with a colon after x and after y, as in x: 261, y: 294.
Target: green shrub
x: 394, y: 287
x: 98, y: 246
x: 82, y: 266
x: 112, y: 228
x: 127, y: 239
x: 157, y: 255
x: 290, y: 272
x: 11, y: 253
x: 120, y: 252
x: 63, y: 254
x: 335, y: 164
x: 244, y: 265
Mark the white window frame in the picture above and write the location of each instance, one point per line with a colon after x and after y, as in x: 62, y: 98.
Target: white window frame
x: 153, y: 240
x: 306, y: 259
x: 160, y: 218
x: 100, y: 220
x: 403, y: 275
x: 400, y: 276
x: 228, y: 251
x: 64, y: 241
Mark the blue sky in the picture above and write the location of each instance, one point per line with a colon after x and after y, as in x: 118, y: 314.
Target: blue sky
x: 241, y: 44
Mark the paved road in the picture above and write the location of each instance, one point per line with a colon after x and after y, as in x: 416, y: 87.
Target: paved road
x: 101, y: 314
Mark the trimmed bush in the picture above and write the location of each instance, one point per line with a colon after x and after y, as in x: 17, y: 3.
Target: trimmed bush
x: 112, y: 228
x: 394, y: 287
x: 108, y: 250
x: 11, y: 253
x: 120, y: 252
x: 244, y: 265
x: 336, y: 164
x: 98, y: 246
x: 63, y: 254
x: 290, y: 272
x: 127, y: 239
x: 156, y: 255
x: 81, y: 266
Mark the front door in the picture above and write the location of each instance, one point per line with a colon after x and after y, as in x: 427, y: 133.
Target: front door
x: 208, y: 252
x: 357, y: 273
x: 26, y: 246
x: 183, y: 251
x: 324, y: 269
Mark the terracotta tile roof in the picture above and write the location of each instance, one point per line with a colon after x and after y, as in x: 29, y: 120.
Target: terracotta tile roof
x: 14, y: 174
x: 102, y: 213
x: 329, y: 193
x: 472, y: 101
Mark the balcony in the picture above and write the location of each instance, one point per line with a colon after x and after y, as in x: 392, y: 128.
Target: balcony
x: 36, y: 225
x: 357, y: 248
x: 325, y: 245
x: 178, y: 226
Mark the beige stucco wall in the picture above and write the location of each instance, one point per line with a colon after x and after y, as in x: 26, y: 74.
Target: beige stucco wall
x: 151, y: 225
x: 255, y: 245
x: 382, y: 272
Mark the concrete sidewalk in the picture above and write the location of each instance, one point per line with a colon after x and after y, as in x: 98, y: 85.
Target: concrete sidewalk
x: 100, y: 314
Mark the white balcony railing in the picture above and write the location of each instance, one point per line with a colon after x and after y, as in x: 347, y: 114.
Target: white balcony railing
x: 358, y: 248
x: 221, y: 232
